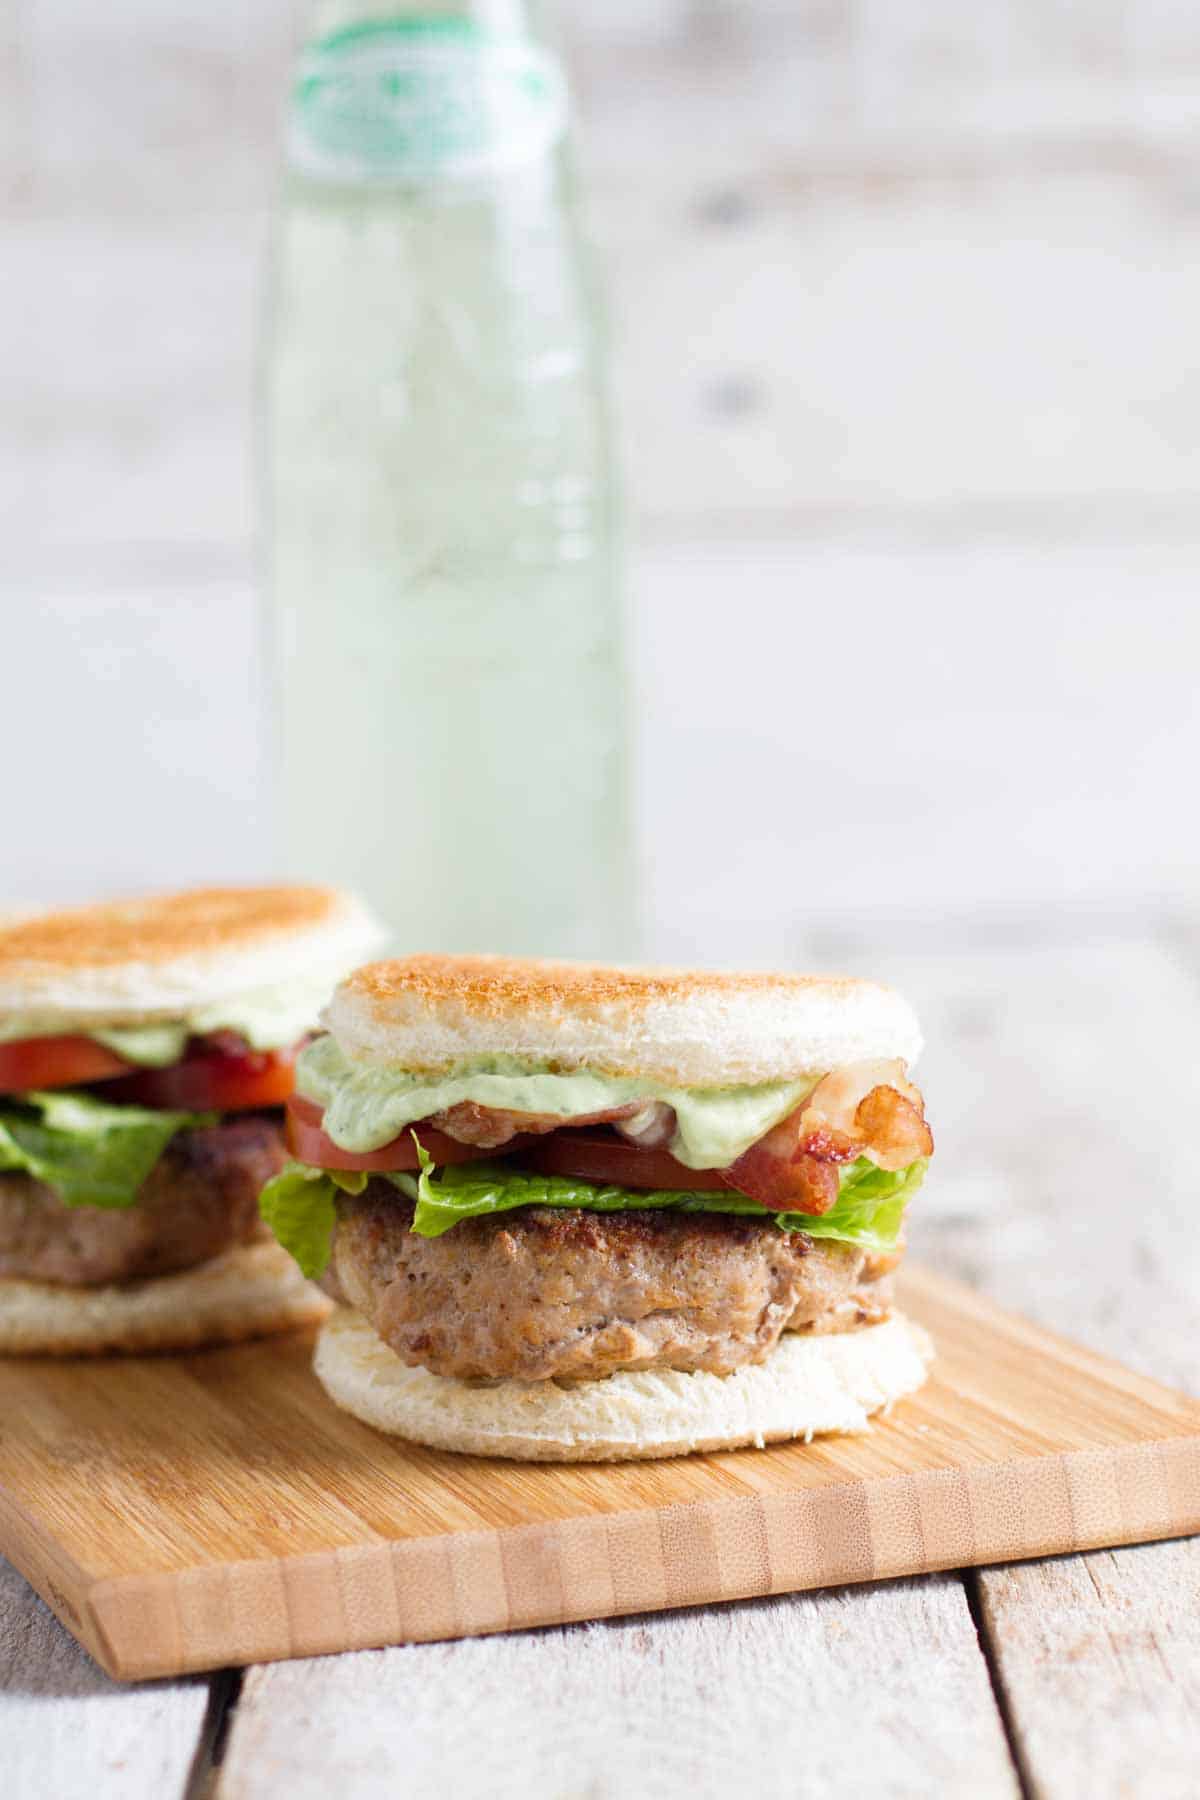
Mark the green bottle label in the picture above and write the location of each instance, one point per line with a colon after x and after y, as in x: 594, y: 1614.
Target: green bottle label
x: 422, y: 100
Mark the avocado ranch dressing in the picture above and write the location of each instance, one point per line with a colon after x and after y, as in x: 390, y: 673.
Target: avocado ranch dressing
x: 269, y: 1018
x: 368, y: 1104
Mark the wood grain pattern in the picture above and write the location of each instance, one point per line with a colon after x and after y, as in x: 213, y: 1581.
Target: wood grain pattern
x: 1118, y: 1630
x: 182, y: 1513
x: 859, y: 1691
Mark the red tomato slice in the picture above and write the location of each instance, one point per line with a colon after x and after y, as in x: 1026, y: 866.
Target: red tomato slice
x: 605, y: 1157
x: 309, y: 1143
x: 212, y: 1081
x: 50, y: 1062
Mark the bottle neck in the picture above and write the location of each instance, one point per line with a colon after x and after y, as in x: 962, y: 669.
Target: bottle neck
x: 436, y: 92
x: 500, y: 18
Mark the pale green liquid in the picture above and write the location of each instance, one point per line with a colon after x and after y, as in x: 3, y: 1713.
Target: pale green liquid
x: 445, y: 615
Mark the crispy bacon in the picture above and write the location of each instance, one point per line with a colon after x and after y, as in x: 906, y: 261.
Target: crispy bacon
x: 791, y: 1172
x: 836, y: 1098
x: 488, y: 1127
x: 893, y: 1128
x: 869, y: 1109
x: 789, y: 1182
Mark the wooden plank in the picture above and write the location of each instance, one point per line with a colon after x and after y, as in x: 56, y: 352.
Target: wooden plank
x: 873, y: 1692
x: 756, y: 184
x: 718, y: 728
x: 1098, y: 1659
x: 759, y: 380
x: 68, y: 1731
x: 956, y: 727
x: 188, y: 749
x: 181, y: 1513
x: 160, y: 384
x: 834, y: 347
x: 1062, y: 1075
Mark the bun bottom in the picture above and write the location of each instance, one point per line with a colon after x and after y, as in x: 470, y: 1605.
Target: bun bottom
x: 808, y: 1386
x: 250, y: 1292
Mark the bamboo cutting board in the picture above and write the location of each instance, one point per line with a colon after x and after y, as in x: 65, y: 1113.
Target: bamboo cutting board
x: 182, y: 1513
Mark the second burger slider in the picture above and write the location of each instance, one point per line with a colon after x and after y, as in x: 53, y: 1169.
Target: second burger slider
x: 146, y: 1049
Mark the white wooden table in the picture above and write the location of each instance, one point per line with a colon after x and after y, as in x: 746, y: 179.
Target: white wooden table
x: 1063, y: 1083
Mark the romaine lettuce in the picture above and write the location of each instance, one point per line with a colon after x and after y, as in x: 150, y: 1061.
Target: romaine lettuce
x: 90, y: 1152
x: 299, y: 1205
x: 868, y: 1211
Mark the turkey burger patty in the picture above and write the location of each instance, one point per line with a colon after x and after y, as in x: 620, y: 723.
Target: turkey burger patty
x: 567, y: 1294
x: 199, y: 1200
x: 561, y: 1180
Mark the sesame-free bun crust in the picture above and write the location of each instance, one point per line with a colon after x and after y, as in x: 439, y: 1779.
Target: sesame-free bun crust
x: 134, y: 961
x: 250, y: 1292
x: 808, y: 1386
x: 678, y: 1027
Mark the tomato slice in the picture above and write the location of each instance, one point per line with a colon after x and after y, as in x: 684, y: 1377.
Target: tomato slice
x: 210, y: 1080
x: 50, y: 1062
x: 309, y: 1143
x: 603, y: 1156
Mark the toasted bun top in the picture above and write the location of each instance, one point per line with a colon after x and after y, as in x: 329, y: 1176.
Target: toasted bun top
x: 671, y: 1026
x: 128, y: 961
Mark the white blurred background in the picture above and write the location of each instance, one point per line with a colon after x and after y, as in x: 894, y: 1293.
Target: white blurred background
x: 905, y: 305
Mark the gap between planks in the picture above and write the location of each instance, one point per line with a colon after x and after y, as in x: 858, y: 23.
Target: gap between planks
x: 71, y: 1732
x: 702, y: 1702
x: 225, y: 1687
x: 987, y: 1649
x: 1096, y: 1667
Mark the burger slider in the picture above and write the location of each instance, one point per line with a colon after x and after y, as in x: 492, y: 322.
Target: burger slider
x: 146, y: 1050
x: 578, y: 1213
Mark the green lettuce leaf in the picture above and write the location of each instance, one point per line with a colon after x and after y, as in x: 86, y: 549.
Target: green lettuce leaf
x: 870, y: 1205
x: 299, y: 1205
x: 869, y: 1209
x: 90, y: 1152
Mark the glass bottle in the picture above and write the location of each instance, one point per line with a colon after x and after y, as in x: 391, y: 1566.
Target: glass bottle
x: 444, y: 569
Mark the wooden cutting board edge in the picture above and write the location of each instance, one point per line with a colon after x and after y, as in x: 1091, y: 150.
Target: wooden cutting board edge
x: 474, y: 1583
x: 66, y: 1588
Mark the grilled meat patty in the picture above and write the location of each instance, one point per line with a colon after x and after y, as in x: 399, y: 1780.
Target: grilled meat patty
x: 548, y: 1293
x: 200, y: 1199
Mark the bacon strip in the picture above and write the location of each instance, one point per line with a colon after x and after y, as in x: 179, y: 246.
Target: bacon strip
x: 791, y: 1182
x: 893, y: 1128
x: 488, y: 1127
x: 869, y: 1109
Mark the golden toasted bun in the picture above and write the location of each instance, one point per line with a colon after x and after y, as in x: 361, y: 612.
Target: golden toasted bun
x: 134, y: 961
x: 251, y: 1292
x: 690, y: 1029
x: 808, y: 1386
